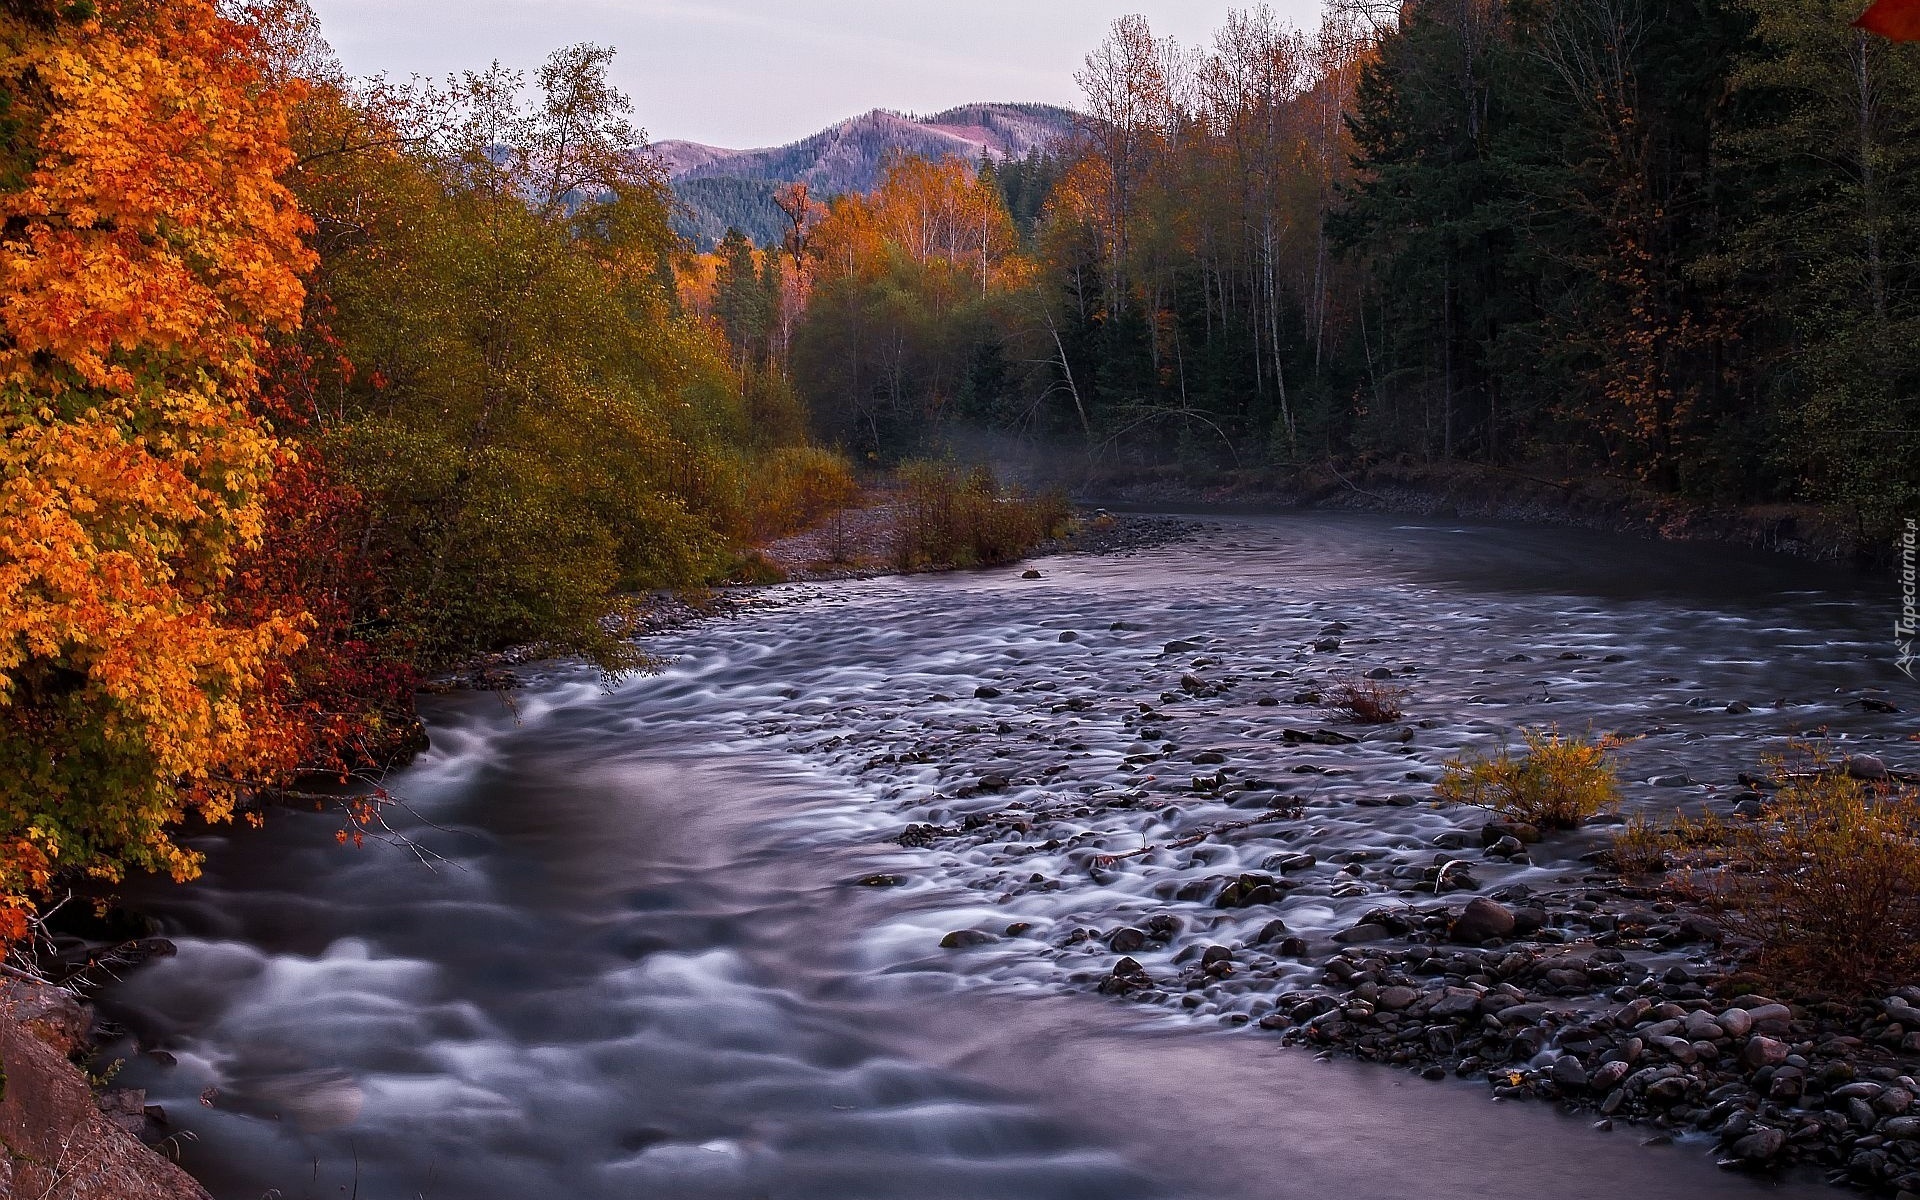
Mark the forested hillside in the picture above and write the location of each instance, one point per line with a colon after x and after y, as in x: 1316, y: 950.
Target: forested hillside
x: 1670, y: 243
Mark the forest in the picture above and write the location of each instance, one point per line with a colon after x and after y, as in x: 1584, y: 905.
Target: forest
x: 1667, y: 241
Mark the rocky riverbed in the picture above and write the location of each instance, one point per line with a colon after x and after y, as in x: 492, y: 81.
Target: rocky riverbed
x: 1181, y: 823
x: 1117, y: 781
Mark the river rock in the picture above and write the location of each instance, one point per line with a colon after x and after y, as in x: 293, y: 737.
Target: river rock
x: 1762, y: 1145
x: 1364, y: 932
x: 1396, y: 999
x: 1763, y: 1052
x: 1866, y: 766
x: 1609, y: 1074
x: 1771, y: 1018
x: 1453, y: 1002
x: 1737, y: 1022
x: 1788, y: 1083
x: 964, y: 939
x: 1568, y: 1075
x: 1482, y: 919
x: 1667, y: 1092
x: 1520, y: 831
x: 1127, y: 976
x: 1905, y: 1129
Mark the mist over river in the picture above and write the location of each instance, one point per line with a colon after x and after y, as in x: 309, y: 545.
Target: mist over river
x: 665, y: 942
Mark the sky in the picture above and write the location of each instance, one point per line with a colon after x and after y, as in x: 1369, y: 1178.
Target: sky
x: 749, y: 73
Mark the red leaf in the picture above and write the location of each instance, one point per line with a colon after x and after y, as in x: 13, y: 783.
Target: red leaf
x: 1898, y: 20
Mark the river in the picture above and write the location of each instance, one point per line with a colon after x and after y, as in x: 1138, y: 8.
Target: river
x: 630, y: 949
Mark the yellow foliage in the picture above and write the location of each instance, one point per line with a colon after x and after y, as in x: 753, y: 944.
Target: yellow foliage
x: 1824, y: 884
x: 940, y: 215
x: 1559, y: 783
x: 148, y: 247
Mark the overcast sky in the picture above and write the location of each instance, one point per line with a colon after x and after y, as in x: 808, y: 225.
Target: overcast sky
x: 746, y: 73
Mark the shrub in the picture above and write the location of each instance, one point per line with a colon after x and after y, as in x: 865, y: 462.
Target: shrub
x: 1826, y: 883
x: 1368, y: 701
x: 791, y: 488
x: 1643, y: 847
x: 1559, y: 783
x: 948, y: 518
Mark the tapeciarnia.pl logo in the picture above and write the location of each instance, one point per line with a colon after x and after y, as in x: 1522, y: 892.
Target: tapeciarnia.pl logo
x: 1907, y: 628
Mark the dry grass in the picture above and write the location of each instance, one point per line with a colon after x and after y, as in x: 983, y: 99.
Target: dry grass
x: 1559, y: 783
x: 954, y: 518
x: 1367, y: 701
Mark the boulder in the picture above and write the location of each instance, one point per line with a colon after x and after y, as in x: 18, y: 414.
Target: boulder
x: 60, y: 1143
x: 1481, y: 920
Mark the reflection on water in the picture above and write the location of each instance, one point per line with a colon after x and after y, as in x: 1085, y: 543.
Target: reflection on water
x: 641, y: 964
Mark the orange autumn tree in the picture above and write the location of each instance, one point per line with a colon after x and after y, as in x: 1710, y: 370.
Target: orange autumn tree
x: 146, y: 246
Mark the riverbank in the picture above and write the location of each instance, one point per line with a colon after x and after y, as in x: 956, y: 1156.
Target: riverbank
x: 1470, y: 491
x: 63, y: 1140
x: 859, y: 542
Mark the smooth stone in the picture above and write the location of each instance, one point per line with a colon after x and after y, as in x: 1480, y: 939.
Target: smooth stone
x: 1866, y: 766
x: 1763, y: 1052
x: 1568, y: 1075
x: 1482, y: 919
x: 962, y: 939
x: 1760, y: 1145
x: 1737, y: 1022
x: 1396, y: 998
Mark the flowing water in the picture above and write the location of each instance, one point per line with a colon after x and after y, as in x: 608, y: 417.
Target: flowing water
x: 629, y: 952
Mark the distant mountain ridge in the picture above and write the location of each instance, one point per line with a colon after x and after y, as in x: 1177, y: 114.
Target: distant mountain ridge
x: 719, y: 187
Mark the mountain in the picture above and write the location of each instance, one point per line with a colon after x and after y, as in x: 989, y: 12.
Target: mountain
x: 720, y: 188
x: 681, y: 157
